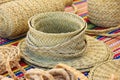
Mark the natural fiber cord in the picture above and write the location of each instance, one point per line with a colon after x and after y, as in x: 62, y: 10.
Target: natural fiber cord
x: 4, y: 1
x: 59, y: 72
x: 15, y: 14
x: 73, y: 47
x: 9, y: 58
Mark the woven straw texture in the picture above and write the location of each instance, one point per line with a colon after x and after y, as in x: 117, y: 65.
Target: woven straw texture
x: 9, y: 57
x: 96, y: 52
x: 113, y: 43
x: 104, y: 13
x: 59, y: 72
x: 50, y: 29
x: 4, y: 1
x: 71, y: 48
x: 104, y: 70
x: 15, y: 14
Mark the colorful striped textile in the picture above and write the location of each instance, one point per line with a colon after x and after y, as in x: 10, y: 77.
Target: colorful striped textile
x: 113, y: 43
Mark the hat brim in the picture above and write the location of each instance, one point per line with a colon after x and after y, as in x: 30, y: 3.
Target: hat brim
x: 104, y: 70
x: 96, y: 52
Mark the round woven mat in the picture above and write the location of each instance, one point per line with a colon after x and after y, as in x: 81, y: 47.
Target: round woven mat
x: 95, y: 53
x: 104, y: 70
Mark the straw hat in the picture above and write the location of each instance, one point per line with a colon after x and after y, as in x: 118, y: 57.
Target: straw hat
x: 104, y: 13
x: 104, y: 70
x: 78, y: 50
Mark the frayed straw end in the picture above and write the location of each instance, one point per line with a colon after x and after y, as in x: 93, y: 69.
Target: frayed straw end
x: 68, y: 2
x: 113, y: 77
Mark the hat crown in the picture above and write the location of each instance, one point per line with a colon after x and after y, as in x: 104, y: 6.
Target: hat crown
x: 57, y: 34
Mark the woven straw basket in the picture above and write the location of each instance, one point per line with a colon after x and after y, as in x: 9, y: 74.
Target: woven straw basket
x: 104, y: 13
x: 15, y: 14
x: 80, y: 51
x: 104, y: 70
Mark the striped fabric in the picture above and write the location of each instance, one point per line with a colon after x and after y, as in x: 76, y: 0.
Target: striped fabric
x: 113, y: 43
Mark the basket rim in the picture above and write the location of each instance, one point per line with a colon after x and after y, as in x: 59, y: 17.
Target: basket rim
x: 31, y: 20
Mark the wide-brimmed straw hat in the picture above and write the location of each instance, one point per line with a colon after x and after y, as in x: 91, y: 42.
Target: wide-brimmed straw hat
x: 104, y: 70
x: 76, y: 50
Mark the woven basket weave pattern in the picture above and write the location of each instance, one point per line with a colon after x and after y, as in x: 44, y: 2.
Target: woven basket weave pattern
x: 80, y: 51
x: 96, y: 52
x: 62, y: 38
x: 53, y: 29
x: 15, y: 14
x: 104, y: 13
x: 104, y: 70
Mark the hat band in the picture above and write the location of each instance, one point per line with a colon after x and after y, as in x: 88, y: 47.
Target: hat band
x: 74, y: 47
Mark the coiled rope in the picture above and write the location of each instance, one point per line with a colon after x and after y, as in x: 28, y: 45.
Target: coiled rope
x: 9, y: 58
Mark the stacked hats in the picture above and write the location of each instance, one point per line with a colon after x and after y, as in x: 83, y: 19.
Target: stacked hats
x: 58, y: 37
x: 15, y: 14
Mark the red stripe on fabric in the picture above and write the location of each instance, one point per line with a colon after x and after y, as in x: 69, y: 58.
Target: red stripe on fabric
x: 116, y: 55
x: 116, y: 49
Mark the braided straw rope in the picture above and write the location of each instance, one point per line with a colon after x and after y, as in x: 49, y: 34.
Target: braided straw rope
x: 9, y: 57
x: 79, y: 51
x: 104, y: 13
x: 106, y: 69
x: 4, y: 1
x: 15, y: 14
x: 60, y: 72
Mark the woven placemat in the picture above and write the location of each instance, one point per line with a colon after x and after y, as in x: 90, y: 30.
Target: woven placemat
x: 104, y: 70
x: 96, y: 52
